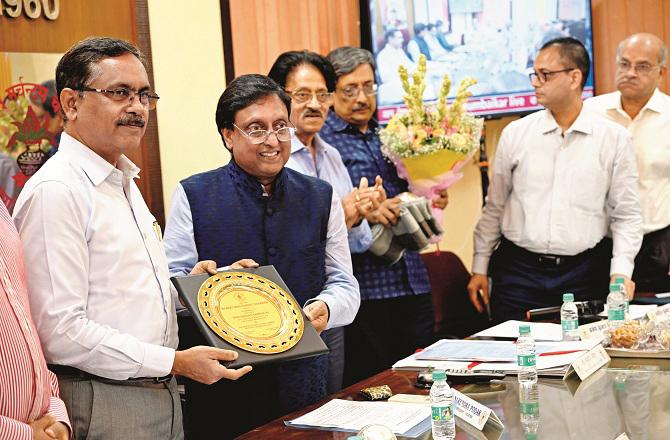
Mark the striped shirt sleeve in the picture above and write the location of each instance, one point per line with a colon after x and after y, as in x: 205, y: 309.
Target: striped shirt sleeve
x: 11, y: 429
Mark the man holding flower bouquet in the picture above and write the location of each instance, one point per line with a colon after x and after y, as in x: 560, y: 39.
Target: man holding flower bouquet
x: 396, y: 313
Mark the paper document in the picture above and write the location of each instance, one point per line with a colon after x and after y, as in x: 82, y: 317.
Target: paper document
x: 555, y: 363
x: 492, y: 351
x: 348, y: 415
x: 635, y: 311
x: 541, y: 331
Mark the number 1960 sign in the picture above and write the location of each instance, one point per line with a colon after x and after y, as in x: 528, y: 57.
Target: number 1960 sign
x: 30, y: 8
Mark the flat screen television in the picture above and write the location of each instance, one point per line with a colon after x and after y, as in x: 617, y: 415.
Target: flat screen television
x: 494, y: 41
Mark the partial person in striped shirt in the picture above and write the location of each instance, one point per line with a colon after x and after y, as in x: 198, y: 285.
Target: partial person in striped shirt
x: 29, y: 404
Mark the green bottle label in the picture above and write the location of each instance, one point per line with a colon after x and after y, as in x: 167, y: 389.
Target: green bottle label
x: 569, y: 324
x: 526, y: 361
x: 442, y: 412
x: 529, y: 408
x: 616, y: 315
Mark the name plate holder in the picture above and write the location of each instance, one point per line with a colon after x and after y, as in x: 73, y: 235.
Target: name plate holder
x: 588, y: 363
x: 474, y: 413
x: 594, y: 330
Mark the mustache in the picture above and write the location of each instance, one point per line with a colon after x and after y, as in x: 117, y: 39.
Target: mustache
x: 309, y: 113
x: 132, y: 120
x: 358, y: 107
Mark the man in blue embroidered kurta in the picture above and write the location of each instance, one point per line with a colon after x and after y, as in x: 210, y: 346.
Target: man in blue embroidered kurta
x: 396, y: 314
x: 255, y: 208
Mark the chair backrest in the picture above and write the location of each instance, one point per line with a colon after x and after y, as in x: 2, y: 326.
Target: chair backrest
x: 454, y: 313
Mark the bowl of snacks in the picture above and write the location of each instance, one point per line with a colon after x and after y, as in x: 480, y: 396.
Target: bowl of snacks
x: 630, y: 335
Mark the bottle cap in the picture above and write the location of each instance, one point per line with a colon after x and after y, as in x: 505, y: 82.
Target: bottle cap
x: 439, y: 375
x: 524, y: 329
x: 568, y: 297
x: 615, y: 287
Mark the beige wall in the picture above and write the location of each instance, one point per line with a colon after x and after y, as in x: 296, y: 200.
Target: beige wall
x: 465, y: 200
x: 187, y: 53
x: 32, y: 67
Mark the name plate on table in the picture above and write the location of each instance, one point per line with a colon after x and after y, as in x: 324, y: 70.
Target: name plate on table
x: 593, y: 330
x: 590, y: 362
x: 252, y: 312
x: 474, y: 413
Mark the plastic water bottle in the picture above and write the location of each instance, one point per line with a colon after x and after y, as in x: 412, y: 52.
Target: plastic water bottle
x: 442, y: 407
x: 622, y: 287
x: 529, y: 409
x: 525, y: 355
x: 616, y: 307
x: 569, y: 318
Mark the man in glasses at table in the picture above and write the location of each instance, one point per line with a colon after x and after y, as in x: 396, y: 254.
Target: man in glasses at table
x: 100, y: 293
x: 396, y: 314
x: 644, y: 110
x: 563, y: 178
x: 256, y: 208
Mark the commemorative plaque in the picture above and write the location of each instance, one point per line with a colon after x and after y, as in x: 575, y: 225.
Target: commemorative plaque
x: 252, y: 312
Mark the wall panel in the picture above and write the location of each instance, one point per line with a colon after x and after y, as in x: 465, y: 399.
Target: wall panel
x: 262, y: 29
x: 614, y: 20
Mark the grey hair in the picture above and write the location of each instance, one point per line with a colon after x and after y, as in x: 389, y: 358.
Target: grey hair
x: 346, y: 59
x: 662, y: 52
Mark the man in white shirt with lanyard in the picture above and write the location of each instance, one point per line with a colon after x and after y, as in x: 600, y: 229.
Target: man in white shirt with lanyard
x: 97, y: 274
x: 562, y: 178
x: 644, y: 110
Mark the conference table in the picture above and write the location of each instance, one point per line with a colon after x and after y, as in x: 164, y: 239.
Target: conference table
x: 630, y: 395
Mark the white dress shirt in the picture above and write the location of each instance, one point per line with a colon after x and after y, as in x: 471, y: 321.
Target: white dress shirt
x: 651, y: 138
x: 559, y: 195
x: 340, y: 292
x: 328, y: 166
x: 97, y: 274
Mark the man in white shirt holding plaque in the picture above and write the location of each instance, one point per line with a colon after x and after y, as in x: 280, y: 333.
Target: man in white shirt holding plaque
x: 562, y: 178
x: 644, y: 110
x: 97, y: 274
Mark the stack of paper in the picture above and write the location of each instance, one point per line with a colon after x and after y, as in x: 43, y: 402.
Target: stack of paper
x: 406, y: 419
x: 462, y: 356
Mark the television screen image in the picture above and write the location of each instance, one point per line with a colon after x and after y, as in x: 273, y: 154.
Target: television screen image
x: 493, y: 41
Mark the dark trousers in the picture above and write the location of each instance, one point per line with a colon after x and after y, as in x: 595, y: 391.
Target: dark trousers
x: 229, y: 408
x: 385, y: 331
x: 522, y: 280
x: 653, y: 262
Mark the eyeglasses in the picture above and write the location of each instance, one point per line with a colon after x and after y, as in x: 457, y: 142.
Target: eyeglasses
x: 302, y: 96
x: 147, y: 98
x: 543, y: 77
x: 642, y: 68
x: 260, y: 136
x: 352, y: 92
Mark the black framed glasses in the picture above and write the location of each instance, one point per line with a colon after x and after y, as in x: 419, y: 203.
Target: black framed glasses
x: 543, y: 77
x: 302, y: 96
x: 256, y: 137
x: 352, y: 92
x: 147, y: 98
x: 640, y: 69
